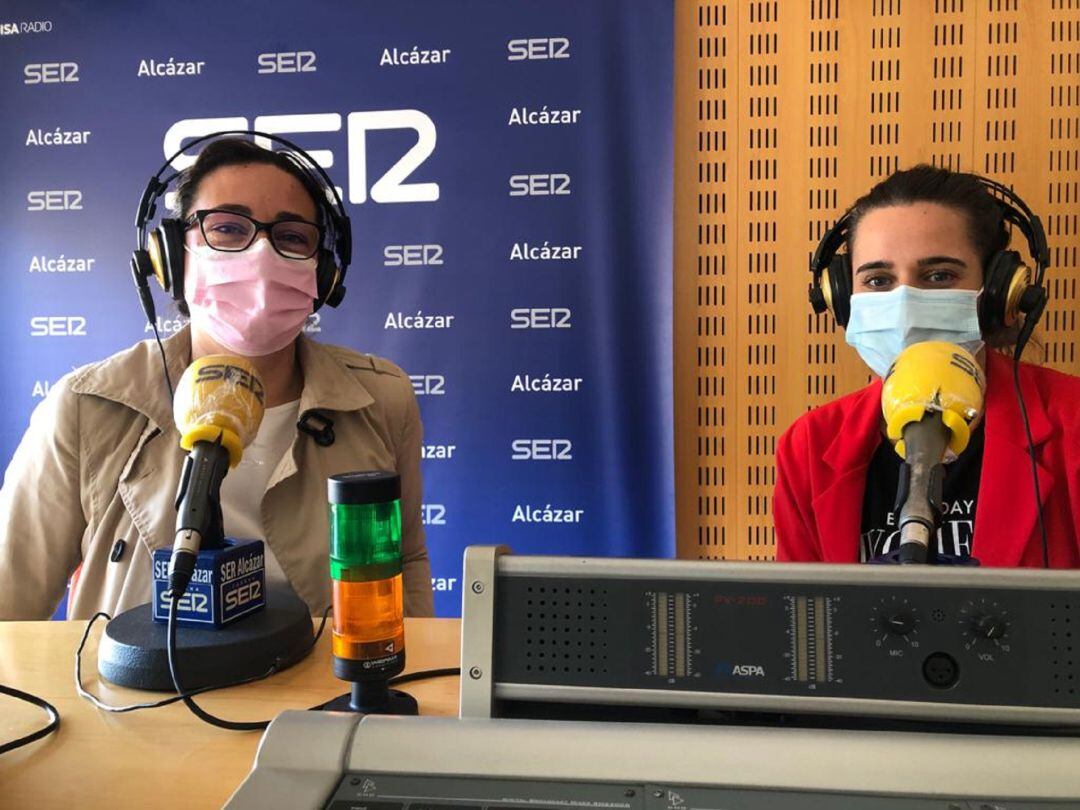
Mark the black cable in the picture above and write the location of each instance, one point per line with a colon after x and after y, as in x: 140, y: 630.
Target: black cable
x: 34, y: 700
x: 198, y: 710
x: 173, y: 698
x: 1031, y: 457
x: 164, y: 364
x: 83, y: 693
x: 1032, y: 312
x: 195, y: 708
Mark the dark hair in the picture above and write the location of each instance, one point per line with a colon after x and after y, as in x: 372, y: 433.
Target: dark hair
x: 960, y: 191
x: 235, y: 151
x: 957, y: 190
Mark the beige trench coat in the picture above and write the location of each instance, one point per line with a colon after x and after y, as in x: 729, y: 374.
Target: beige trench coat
x: 101, y: 461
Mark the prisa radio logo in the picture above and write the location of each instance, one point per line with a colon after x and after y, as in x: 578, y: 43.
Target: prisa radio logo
x: 34, y: 27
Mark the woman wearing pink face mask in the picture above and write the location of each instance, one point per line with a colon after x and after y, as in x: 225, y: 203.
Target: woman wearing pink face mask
x: 92, y: 484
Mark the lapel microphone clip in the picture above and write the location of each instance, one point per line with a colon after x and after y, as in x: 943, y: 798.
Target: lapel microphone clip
x: 318, y: 426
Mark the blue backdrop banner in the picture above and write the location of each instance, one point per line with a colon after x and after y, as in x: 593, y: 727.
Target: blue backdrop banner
x: 507, y: 166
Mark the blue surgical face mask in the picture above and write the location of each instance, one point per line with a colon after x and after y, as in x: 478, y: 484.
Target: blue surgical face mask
x: 883, y: 324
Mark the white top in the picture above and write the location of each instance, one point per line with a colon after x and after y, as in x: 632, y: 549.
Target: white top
x: 243, y: 488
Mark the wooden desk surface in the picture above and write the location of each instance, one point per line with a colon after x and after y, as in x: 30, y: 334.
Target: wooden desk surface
x: 163, y: 757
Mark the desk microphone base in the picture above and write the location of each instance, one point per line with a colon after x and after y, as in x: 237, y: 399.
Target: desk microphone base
x: 133, y: 652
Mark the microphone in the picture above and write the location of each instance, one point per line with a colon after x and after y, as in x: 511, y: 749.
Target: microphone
x: 207, y: 581
x: 218, y: 408
x: 932, y: 397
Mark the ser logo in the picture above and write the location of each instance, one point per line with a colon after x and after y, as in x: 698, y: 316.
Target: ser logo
x: 539, y: 185
x: 389, y: 188
x: 537, y: 48
x: 223, y: 372
x: 542, y: 450
x: 54, y: 200
x: 190, y: 602
x: 50, y: 72
x: 540, y: 318
x: 413, y: 256
x: 428, y: 384
x: 238, y: 597
x: 433, y: 514
x: 289, y: 62
x: 58, y: 326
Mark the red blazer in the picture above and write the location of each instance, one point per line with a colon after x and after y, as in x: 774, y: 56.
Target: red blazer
x: 822, y: 462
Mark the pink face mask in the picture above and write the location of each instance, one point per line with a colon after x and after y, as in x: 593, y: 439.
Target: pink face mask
x: 253, y: 302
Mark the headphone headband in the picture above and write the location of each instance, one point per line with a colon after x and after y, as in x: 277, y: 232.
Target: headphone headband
x: 1013, y: 210
x: 332, y: 203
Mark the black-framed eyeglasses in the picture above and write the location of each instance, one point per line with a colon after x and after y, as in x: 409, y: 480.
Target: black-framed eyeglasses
x: 232, y: 232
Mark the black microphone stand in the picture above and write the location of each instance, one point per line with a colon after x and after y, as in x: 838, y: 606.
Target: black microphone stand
x: 919, y: 498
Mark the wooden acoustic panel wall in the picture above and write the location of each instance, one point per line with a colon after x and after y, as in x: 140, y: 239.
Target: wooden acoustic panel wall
x: 785, y: 112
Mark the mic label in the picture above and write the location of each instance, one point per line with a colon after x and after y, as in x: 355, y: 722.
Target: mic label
x: 223, y: 372
x: 969, y: 368
x: 227, y: 583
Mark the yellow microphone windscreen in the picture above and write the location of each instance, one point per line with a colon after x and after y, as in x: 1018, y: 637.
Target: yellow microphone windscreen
x: 933, y: 376
x: 219, y: 396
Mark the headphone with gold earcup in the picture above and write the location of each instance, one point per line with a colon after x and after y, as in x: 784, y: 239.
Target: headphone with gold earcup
x: 1010, y: 288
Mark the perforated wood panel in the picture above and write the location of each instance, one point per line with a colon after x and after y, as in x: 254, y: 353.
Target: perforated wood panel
x: 785, y: 113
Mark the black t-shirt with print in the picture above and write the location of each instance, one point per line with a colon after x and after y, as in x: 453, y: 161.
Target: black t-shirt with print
x: 880, y: 532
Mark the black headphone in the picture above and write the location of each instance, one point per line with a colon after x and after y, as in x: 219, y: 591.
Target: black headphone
x: 1008, y: 286
x: 160, y: 253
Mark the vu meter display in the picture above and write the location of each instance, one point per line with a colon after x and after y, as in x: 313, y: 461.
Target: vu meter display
x: 811, y: 638
x: 673, y: 654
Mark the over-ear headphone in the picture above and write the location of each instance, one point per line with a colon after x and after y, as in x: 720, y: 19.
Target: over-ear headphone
x: 160, y: 253
x: 1009, y: 288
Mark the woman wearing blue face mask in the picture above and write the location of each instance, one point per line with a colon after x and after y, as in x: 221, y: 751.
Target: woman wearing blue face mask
x: 921, y: 248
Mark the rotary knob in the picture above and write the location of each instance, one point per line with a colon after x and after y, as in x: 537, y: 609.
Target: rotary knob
x: 986, y: 628
x: 896, y: 623
x: 900, y: 623
x: 989, y: 626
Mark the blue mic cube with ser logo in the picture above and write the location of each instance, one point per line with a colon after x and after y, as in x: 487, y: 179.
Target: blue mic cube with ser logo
x: 228, y: 583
